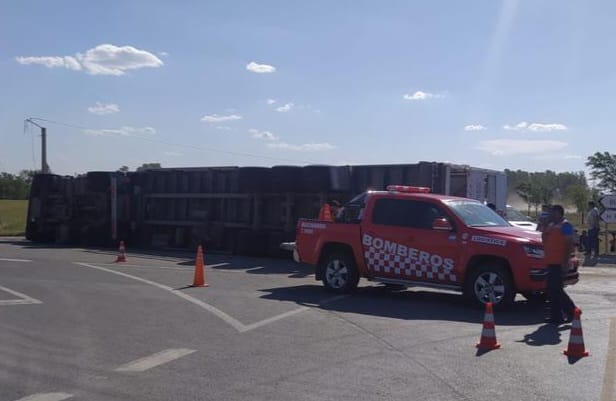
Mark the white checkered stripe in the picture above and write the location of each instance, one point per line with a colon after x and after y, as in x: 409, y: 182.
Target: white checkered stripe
x: 411, y: 268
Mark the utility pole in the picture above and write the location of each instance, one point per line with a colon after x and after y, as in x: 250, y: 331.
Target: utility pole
x: 44, y: 165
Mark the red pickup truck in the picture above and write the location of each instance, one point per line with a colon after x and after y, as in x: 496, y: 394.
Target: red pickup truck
x: 406, y: 236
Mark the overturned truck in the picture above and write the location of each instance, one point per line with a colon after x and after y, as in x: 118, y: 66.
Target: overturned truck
x: 241, y: 210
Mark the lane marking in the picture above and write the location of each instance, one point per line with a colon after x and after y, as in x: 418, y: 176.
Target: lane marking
x: 154, y: 360
x: 187, y: 268
x: 15, y: 260
x: 236, y: 324
x: 23, y: 298
x: 607, y: 392
x: 273, y: 319
x: 47, y: 397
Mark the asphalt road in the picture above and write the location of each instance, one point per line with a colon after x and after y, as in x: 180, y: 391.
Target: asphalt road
x: 75, y: 326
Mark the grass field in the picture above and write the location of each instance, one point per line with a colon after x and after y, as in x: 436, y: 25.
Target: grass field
x: 13, y: 214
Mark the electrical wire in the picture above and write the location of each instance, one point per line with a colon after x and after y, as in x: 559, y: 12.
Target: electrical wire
x: 193, y: 147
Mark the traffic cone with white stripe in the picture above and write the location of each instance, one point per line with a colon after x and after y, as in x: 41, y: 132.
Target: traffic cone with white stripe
x: 488, y: 334
x: 576, y: 349
x: 122, y: 253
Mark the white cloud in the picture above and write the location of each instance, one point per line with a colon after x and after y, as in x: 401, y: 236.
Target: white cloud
x: 105, y: 59
x: 520, y: 146
x: 271, y: 101
x: 285, y: 108
x: 474, y: 127
x: 101, y: 108
x: 573, y: 157
x: 419, y: 95
x: 163, y: 54
x: 265, y: 135
x: 67, y: 62
x: 215, y: 118
x: 535, y: 127
x: 173, y: 154
x: 223, y: 128
x: 260, y: 68
x: 123, y: 131
x: 307, y: 147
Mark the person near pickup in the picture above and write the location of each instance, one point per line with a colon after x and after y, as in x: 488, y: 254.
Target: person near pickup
x: 593, y: 223
x: 558, y: 244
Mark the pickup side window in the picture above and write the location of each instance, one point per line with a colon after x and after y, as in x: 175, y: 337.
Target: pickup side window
x: 405, y: 213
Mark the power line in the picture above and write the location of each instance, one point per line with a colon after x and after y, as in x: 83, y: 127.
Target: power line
x: 193, y: 147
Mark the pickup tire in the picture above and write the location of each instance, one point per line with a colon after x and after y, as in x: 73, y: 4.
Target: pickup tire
x: 490, y: 282
x: 340, y: 273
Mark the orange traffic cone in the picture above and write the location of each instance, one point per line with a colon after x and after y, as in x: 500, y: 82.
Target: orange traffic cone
x: 199, y: 279
x: 122, y: 253
x: 576, y: 349
x: 488, y: 334
x: 325, y: 214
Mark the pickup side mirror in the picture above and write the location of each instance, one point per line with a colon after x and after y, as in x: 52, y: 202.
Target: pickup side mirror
x: 442, y: 224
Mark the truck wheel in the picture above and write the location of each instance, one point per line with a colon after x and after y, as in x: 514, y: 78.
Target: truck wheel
x: 490, y: 283
x: 340, y: 272
x: 536, y: 297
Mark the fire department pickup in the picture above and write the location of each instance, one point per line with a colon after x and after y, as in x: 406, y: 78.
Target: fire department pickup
x: 406, y: 236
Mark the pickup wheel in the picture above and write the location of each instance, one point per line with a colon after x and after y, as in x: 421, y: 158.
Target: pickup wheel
x: 490, y: 283
x: 340, y: 272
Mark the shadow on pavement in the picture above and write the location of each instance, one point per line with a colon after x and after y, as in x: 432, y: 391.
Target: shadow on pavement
x: 548, y: 334
x: 411, y: 304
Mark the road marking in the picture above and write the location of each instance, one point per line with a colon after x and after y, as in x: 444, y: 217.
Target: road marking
x: 47, y: 397
x: 607, y: 393
x: 154, y: 360
x: 15, y: 260
x: 23, y: 298
x: 187, y: 268
x: 236, y: 324
x: 273, y: 319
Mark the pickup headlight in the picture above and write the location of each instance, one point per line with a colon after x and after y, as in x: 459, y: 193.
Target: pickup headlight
x: 534, y: 251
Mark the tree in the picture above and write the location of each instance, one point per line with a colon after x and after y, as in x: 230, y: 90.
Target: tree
x: 603, y: 170
x: 149, y: 166
x: 579, y: 195
x: 124, y: 169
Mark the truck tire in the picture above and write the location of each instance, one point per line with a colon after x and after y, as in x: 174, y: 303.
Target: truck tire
x: 340, y: 273
x: 490, y: 282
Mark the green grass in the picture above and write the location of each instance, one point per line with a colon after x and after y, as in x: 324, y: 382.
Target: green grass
x: 13, y: 214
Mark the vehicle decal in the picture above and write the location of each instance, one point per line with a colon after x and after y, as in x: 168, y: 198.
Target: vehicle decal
x: 391, y: 257
x: 488, y: 240
x: 320, y: 226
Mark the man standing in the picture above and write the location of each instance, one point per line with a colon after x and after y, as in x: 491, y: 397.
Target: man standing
x: 558, y: 245
x: 593, y: 220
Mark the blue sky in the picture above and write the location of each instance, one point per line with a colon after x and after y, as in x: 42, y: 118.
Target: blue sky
x: 496, y: 84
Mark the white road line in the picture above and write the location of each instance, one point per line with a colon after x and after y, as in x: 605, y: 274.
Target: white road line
x: 187, y: 268
x: 47, y: 397
x: 23, y: 298
x: 15, y: 260
x: 236, y: 324
x: 218, y: 265
x: 154, y: 360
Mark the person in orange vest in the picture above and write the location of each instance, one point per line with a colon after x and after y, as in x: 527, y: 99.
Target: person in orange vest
x: 558, y: 244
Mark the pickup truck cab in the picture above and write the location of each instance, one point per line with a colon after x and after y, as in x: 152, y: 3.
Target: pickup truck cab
x: 406, y: 236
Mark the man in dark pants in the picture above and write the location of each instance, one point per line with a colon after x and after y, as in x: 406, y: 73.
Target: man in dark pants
x: 593, y: 221
x: 558, y: 245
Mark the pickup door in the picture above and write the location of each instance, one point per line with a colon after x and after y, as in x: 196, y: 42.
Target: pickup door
x: 399, y: 242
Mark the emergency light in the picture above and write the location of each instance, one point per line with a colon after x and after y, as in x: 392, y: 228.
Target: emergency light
x: 408, y: 189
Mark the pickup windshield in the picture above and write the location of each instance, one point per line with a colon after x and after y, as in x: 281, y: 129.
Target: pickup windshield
x: 475, y: 214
